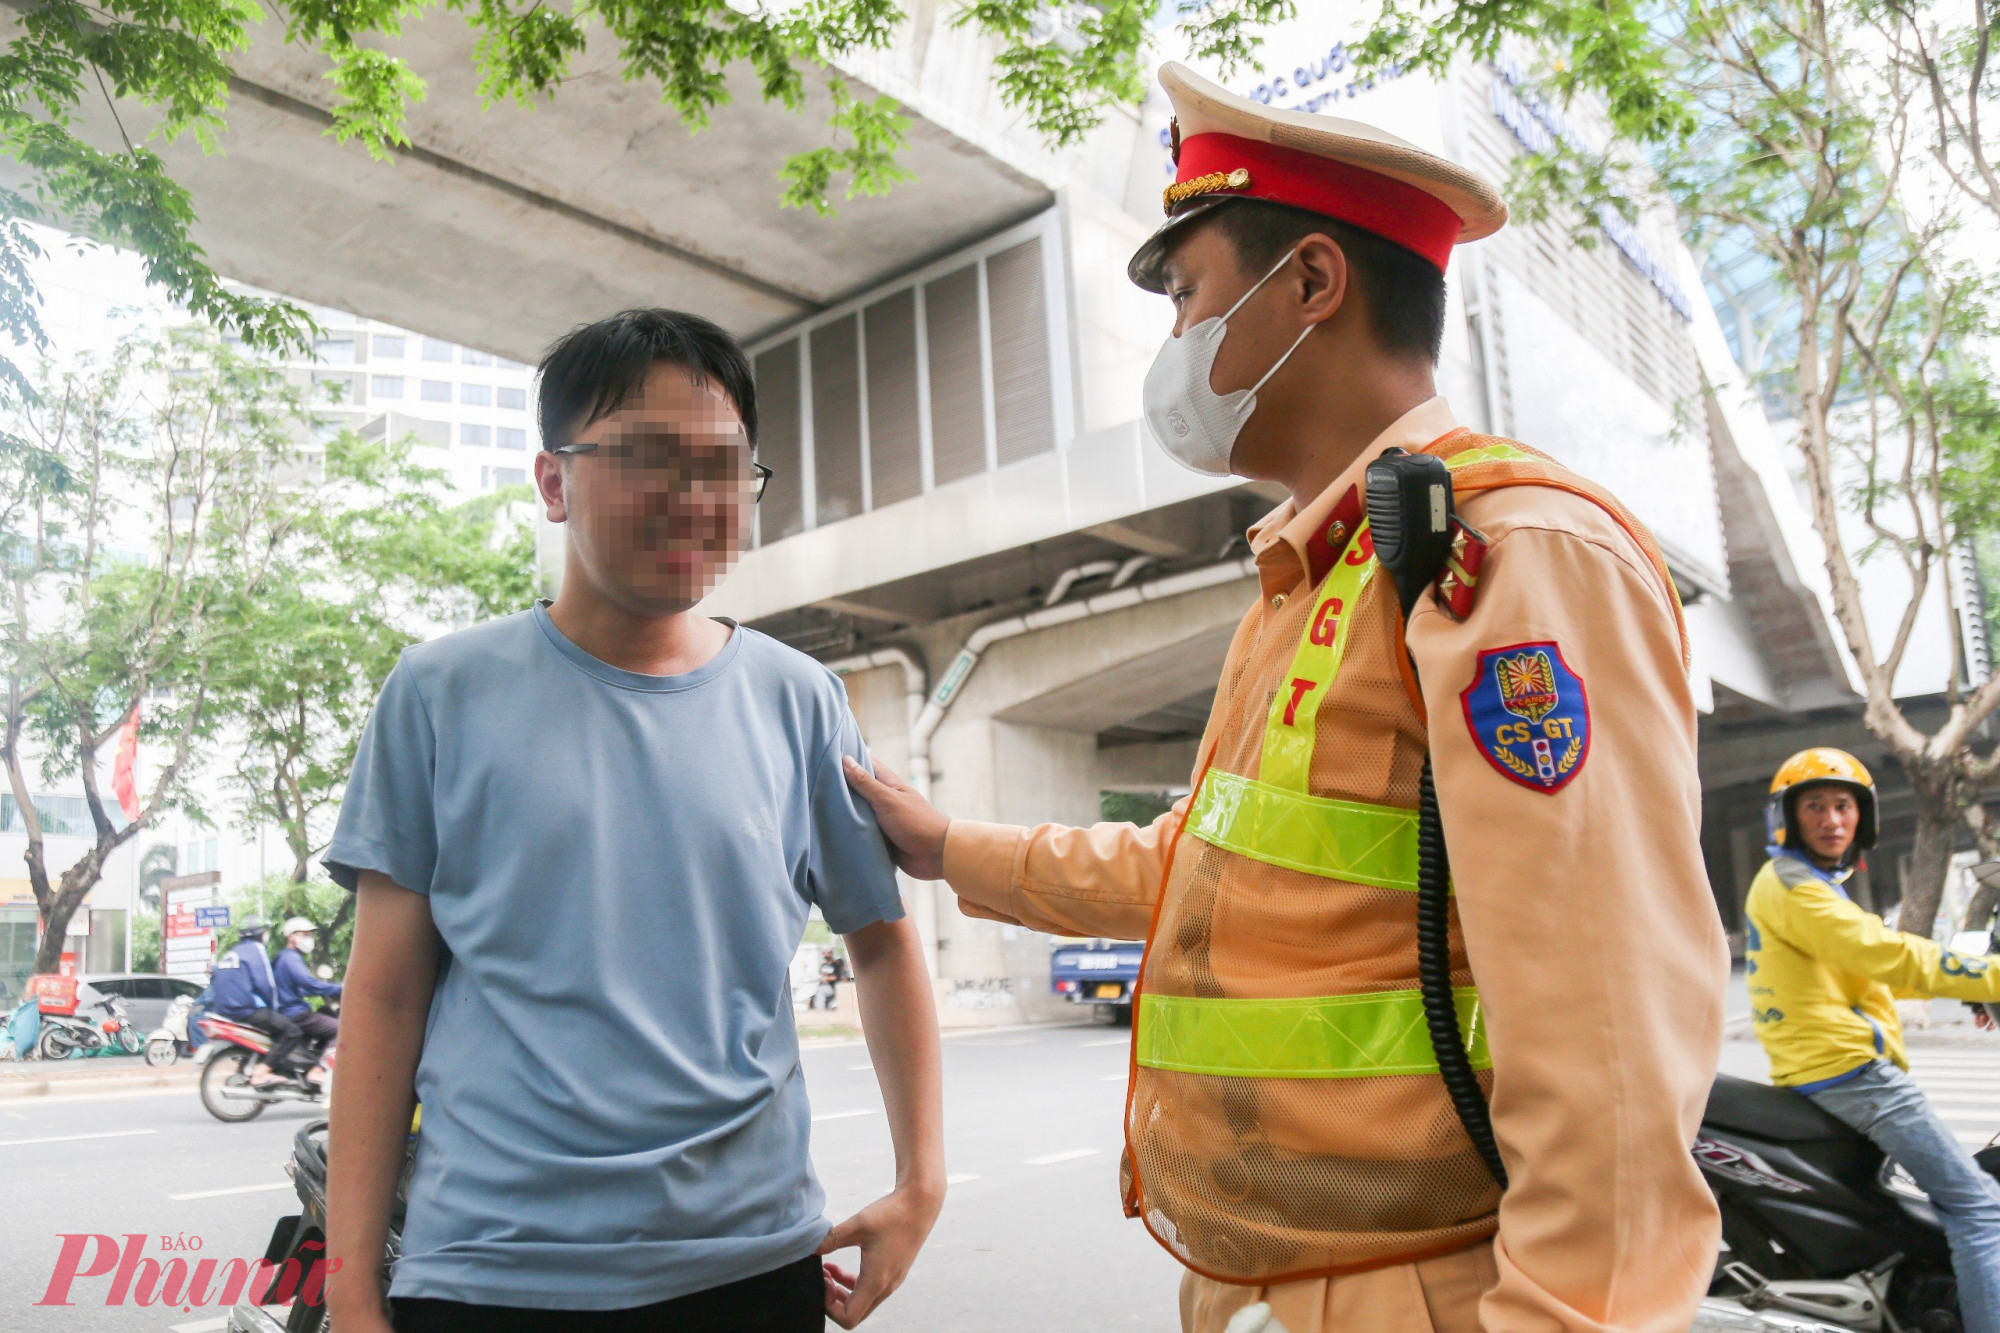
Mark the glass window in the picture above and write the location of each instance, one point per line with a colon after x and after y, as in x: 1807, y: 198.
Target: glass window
x: 473, y: 358
x: 177, y: 988
x: 509, y: 476
x: 334, y: 388
x: 389, y: 344
x: 437, y: 391
x: 476, y: 395
x: 513, y: 399
x: 385, y: 386
x: 505, y: 364
x: 436, y: 349
x: 511, y: 437
x: 479, y: 435
x: 334, y: 351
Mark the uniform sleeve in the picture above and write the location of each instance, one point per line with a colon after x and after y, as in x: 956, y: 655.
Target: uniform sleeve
x: 1589, y: 923
x: 387, y: 815
x: 848, y: 872
x: 1815, y: 920
x: 301, y: 978
x: 1102, y: 880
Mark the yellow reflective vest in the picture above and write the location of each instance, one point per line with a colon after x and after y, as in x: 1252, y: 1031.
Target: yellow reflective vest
x: 1825, y: 974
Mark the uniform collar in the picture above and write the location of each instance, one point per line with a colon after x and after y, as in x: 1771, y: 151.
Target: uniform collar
x: 1291, y: 544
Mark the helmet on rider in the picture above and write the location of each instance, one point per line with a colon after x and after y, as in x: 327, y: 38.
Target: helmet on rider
x: 251, y: 929
x: 298, y: 925
x: 1821, y: 766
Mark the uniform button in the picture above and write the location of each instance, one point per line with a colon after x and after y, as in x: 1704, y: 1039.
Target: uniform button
x: 1337, y: 533
x: 1278, y: 601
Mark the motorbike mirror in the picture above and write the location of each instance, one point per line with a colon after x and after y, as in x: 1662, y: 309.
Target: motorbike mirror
x: 1973, y: 942
x: 323, y: 972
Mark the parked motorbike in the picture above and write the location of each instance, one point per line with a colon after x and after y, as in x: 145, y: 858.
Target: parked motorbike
x: 98, y: 1028
x: 168, y: 1042
x: 232, y: 1049
x: 301, y: 1236
x: 1820, y: 1230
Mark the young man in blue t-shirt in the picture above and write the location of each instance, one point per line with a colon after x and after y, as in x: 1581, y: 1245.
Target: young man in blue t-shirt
x: 585, y: 840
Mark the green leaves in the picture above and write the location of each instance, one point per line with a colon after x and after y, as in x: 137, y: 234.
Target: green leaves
x: 1064, y: 66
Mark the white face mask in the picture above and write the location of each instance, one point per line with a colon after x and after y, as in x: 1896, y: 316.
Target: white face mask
x: 1194, y: 423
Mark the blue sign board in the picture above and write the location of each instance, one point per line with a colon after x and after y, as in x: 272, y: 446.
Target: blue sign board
x: 211, y: 918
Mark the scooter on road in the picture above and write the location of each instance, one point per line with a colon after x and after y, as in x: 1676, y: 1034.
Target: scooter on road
x: 232, y: 1050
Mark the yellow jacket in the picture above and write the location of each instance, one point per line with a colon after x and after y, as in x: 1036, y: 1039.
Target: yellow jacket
x: 1825, y: 975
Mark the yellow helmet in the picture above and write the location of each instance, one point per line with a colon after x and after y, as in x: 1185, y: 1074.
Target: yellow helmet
x: 1819, y: 766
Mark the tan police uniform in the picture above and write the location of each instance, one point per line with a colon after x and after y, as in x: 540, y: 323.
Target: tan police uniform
x: 1288, y: 1136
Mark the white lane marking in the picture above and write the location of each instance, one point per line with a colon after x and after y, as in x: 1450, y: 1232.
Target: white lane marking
x: 958, y: 1180
x: 1119, y: 1077
x: 240, y: 1189
x: 200, y: 1326
x: 856, y: 1069
x: 1069, y: 1156
x: 1010, y: 1041
x: 77, y: 1138
x: 843, y: 1115
x: 1974, y: 1141
x: 1108, y: 1041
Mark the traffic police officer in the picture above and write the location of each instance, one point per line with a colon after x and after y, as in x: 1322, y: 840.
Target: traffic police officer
x: 1289, y: 1138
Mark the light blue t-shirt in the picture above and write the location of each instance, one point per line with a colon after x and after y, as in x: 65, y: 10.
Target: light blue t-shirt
x: 621, y: 867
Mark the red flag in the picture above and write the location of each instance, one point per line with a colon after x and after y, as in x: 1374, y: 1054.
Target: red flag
x: 124, y: 782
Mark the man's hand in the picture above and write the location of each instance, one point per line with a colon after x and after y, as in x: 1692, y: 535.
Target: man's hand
x: 913, y: 825
x: 889, y: 1231
x: 356, y: 1309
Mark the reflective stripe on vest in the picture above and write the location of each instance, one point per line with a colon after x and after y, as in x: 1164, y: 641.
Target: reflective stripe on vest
x: 1274, y: 818
x: 1364, y: 1035
x: 1363, y: 844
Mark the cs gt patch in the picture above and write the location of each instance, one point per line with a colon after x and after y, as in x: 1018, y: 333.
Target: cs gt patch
x: 1529, y: 715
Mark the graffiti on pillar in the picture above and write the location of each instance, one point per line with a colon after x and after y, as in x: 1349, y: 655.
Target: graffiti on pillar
x: 982, y: 993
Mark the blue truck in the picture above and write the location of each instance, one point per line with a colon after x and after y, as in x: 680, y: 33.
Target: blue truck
x: 1098, y: 972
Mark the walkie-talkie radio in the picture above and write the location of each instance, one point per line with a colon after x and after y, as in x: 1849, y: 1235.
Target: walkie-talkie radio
x: 1413, y: 524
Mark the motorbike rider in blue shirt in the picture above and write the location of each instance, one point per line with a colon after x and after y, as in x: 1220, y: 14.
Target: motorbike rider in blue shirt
x: 296, y: 981
x: 245, y: 990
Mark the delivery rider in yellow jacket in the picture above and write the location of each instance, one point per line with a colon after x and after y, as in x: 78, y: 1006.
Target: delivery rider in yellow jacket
x: 1824, y: 974
x: 1289, y: 1136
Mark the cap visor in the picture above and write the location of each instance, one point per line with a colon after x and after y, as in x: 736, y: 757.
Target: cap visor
x: 1146, y: 266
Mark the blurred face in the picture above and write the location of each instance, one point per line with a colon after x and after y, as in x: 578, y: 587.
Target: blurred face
x: 302, y: 941
x: 1828, y: 819
x: 659, y: 510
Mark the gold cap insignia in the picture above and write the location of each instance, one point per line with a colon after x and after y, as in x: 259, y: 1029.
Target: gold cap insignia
x: 1200, y: 185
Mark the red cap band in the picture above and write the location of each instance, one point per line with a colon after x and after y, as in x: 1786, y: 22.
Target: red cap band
x: 1389, y: 208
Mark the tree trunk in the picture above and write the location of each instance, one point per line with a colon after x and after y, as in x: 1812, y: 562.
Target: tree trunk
x: 323, y: 950
x: 1939, y: 809
x: 61, y: 906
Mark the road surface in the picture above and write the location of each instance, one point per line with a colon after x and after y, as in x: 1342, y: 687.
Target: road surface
x: 1031, y: 1238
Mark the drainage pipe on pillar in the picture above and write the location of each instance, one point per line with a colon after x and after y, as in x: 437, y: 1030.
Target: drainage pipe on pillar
x: 925, y: 716
x: 955, y: 676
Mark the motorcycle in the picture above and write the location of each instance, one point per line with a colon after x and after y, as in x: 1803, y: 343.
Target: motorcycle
x: 229, y: 1054
x: 168, y: 1042
x: 301, y: 1236
x: 78, y: 1033
x: 1820, y: 1230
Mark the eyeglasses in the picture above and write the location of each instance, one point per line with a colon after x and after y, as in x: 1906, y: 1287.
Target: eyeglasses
x: 666, y: 458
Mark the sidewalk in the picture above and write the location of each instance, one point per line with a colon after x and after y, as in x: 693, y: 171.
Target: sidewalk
x: 80, y: 1078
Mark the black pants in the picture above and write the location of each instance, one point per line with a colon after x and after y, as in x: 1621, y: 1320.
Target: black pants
x: 284, y: 1036
x: 316, y: 1026
x: 786, y: 1300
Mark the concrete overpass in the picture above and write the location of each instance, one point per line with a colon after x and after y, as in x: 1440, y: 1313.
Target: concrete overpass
x: 501, y: 227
